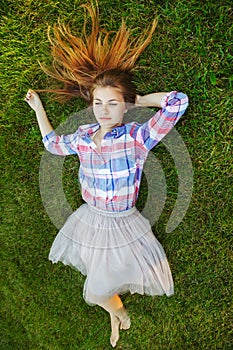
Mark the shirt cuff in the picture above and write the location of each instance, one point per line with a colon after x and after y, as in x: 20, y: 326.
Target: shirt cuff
x: 48, y: 136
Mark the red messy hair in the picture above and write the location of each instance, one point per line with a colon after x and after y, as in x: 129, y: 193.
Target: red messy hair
x: 78, y: 61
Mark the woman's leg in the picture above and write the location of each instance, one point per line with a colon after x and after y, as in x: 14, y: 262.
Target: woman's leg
x: 118, y: 315
x: 115, y: 324
x: 115, y: 307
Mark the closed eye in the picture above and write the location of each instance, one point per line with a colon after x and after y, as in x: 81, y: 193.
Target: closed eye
x: 97, y: 103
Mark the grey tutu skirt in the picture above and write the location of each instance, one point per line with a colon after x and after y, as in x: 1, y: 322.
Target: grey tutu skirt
x: 117, y: 251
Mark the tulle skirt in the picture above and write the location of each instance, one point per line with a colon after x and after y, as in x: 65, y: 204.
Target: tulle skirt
x: 117, y: 251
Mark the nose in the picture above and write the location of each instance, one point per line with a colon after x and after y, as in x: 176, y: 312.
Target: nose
x: 105, y: 109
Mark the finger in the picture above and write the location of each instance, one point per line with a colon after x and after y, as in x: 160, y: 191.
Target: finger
x: 30, y: 93
x: 28, y: 97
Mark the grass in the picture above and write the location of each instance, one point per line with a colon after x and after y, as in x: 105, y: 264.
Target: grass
x: 41, y: 304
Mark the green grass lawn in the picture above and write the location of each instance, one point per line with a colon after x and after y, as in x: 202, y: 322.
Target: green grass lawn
x: 41, y: 303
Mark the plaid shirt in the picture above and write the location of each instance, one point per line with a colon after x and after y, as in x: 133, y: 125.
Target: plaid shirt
x: 110, y: 178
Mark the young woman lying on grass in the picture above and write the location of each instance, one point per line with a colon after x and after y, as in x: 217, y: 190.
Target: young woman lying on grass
x: 107, y: 238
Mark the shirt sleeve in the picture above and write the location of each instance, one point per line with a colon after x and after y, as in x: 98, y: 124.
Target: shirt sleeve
x: 61, y: 145
x: 174, y: 105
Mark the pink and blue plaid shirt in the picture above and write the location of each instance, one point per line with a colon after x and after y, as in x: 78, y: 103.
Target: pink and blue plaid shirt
x: 110, y: 178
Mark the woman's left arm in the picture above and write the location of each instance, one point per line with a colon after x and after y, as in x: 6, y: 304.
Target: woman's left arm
x: 172, y: 106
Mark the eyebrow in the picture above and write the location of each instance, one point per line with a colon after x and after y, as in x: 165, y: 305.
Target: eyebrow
x: 111, y: 100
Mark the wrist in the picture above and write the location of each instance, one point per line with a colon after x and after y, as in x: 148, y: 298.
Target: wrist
x: 40, y: 109
x: 138, y: 101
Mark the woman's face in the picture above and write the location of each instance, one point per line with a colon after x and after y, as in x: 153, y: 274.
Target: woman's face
x: 109, y: 106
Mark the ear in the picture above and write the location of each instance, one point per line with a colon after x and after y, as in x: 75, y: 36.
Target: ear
x: 127, y: 107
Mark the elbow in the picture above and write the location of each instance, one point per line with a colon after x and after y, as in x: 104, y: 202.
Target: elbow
x: 51, y: 149
x: 178, y: 104
x: 181, y: 99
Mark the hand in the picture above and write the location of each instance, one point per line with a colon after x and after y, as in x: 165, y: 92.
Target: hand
x: 33, y: 99
x: 150, y: 100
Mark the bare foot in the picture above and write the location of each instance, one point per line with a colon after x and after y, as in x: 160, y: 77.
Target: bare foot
x: 124, y: 318
x: 115, y: 324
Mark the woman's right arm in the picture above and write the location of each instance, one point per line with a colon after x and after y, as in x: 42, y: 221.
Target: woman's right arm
x: 59, y: 145
x: 33, y: 99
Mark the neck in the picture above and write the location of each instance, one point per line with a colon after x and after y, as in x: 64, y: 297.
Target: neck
x: 104, y: 129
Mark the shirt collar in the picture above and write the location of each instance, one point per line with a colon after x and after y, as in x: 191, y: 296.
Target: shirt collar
x: 116, y: 132
x: 88, y: 130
